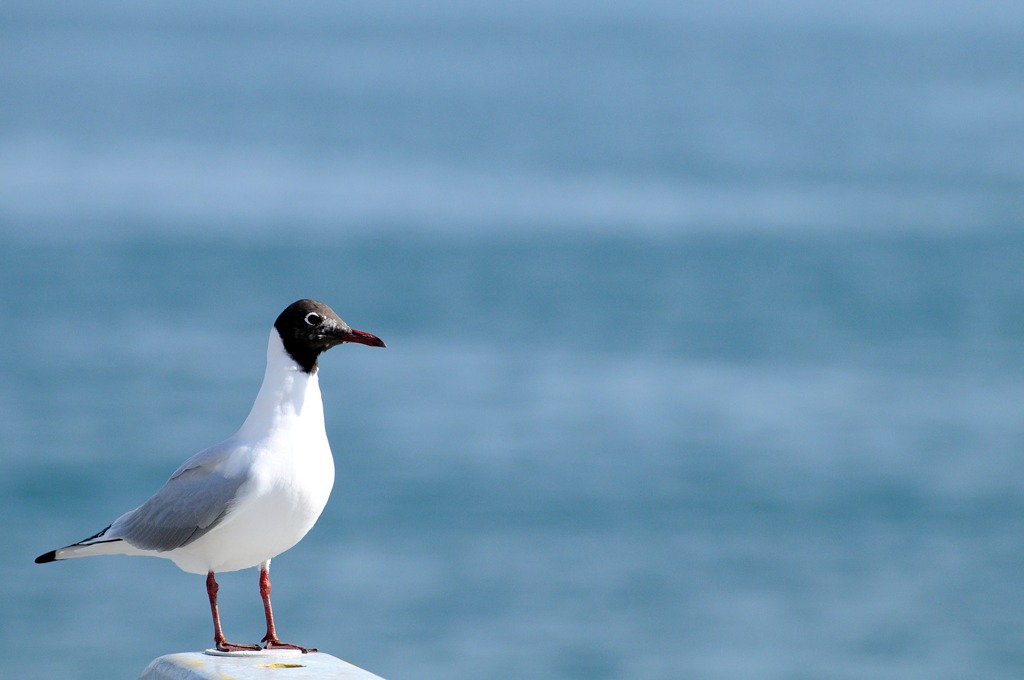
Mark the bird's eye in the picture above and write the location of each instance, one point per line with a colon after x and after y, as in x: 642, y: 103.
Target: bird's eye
x: 314, y: 319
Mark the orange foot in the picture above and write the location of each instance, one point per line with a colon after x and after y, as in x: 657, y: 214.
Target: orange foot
x: 224, y: 646
x: 274, y: 643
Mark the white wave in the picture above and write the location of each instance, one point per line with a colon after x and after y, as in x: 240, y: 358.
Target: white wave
x: 59, y: 191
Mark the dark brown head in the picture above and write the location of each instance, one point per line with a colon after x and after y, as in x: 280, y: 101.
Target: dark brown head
x: 309, y: 328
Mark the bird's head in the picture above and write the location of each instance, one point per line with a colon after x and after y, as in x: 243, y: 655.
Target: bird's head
x: 309, y: 328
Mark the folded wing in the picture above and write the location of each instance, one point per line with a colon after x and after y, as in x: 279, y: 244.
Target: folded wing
x: 197, y: 498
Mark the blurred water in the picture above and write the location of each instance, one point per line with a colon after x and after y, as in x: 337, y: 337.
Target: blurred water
x: 704, y: 328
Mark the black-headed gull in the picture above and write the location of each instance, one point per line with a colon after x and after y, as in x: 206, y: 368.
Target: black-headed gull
x: 248, y: 499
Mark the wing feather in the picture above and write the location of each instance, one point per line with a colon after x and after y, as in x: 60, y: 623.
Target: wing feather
x: 197, y: 497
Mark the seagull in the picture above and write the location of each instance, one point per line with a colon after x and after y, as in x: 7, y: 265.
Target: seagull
x: 248, y: 499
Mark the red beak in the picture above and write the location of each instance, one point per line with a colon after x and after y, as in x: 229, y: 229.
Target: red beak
x: 363, y: 338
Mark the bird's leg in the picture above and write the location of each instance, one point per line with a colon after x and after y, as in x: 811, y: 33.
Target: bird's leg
x: 271, y: 637
x: 218, y: 635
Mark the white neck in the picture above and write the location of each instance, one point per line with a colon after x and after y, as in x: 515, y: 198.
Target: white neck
x: 289, y: 396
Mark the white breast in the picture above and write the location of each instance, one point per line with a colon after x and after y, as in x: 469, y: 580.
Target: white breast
x: 283, y: 452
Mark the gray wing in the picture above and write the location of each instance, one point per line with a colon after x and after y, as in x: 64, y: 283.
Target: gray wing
x: 194, y: 500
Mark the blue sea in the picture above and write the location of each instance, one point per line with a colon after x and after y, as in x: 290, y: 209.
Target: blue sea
x: 705, y: 329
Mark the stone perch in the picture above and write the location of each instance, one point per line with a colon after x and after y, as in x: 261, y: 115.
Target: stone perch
x: 284, y: 664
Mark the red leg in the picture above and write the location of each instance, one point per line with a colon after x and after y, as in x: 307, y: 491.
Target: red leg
x: 271, y: 637
x: 218, y: 635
